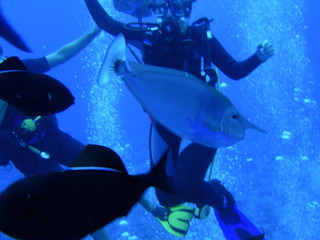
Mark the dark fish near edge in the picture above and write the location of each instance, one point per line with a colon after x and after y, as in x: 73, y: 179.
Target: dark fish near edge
x: 9, y: 34
x: 33, y: 93
x: 70, y: 205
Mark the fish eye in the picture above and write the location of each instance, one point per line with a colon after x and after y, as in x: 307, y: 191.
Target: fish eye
x: 235, y: 116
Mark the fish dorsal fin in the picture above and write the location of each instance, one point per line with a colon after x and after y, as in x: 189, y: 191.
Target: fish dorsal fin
x: 99, y: 156
x: 116, y: 52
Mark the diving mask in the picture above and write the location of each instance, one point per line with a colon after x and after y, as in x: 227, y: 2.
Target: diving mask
x: 179, y: 8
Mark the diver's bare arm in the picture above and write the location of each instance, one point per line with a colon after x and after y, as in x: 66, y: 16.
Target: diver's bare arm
x: 102, y: 18
x: 69, y: 50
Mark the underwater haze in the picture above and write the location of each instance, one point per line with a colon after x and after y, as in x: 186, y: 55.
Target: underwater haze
x: 274, y: 177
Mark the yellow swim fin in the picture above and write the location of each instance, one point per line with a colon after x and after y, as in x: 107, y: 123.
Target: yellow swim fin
x: 176, y: 219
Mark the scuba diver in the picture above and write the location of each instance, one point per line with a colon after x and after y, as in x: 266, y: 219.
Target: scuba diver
x: 35, y: 144
x: 32, y: 143
x: 173, y: 43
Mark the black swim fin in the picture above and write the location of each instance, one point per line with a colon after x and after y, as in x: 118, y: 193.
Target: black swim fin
x: 236, y: 226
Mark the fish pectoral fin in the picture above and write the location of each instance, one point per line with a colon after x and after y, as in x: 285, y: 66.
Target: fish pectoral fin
x: 114, y: 60
x: 99, y: 156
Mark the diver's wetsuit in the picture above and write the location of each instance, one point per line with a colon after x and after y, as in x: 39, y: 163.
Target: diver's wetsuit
x: 62, y: 148
x: 189, y: 165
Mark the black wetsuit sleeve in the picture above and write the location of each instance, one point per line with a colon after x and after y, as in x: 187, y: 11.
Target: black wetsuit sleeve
x: 228, y: 65
x: 37, y: 65
x: 108, y: 24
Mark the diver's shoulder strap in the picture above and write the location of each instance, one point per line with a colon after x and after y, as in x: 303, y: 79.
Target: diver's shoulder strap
x: 204, y: 35
x: 150, y: 44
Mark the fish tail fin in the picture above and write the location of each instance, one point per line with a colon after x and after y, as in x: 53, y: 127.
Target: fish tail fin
x: 115, y: 55
x: 158, y: 177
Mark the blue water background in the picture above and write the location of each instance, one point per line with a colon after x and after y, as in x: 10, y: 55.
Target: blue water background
x: 275, y: 177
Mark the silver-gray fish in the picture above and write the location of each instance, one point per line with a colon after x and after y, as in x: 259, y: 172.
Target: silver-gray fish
x: 179, y: 101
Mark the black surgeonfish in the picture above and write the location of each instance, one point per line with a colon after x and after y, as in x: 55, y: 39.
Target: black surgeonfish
x: 34, y: 94
x: 9, y: 34
x: 71, y: 204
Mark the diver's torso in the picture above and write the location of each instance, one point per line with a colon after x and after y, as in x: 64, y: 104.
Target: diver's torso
x: 180, y: 53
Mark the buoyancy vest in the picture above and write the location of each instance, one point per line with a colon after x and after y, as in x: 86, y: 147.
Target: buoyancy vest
x: 191, y: 53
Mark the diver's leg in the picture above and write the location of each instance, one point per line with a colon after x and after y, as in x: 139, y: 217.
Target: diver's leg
x: 189, y: 183
x: 99, y: 235
x: 29, y: 163
x: 3, y: 109
x: 190, y: 163
x: 62, y: 147
x: 147, y: 205
x: 161, y: 142
x: 157, y: 147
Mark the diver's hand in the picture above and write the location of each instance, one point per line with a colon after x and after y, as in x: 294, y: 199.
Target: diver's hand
x: 265, y: 50
x: 95, y: 31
